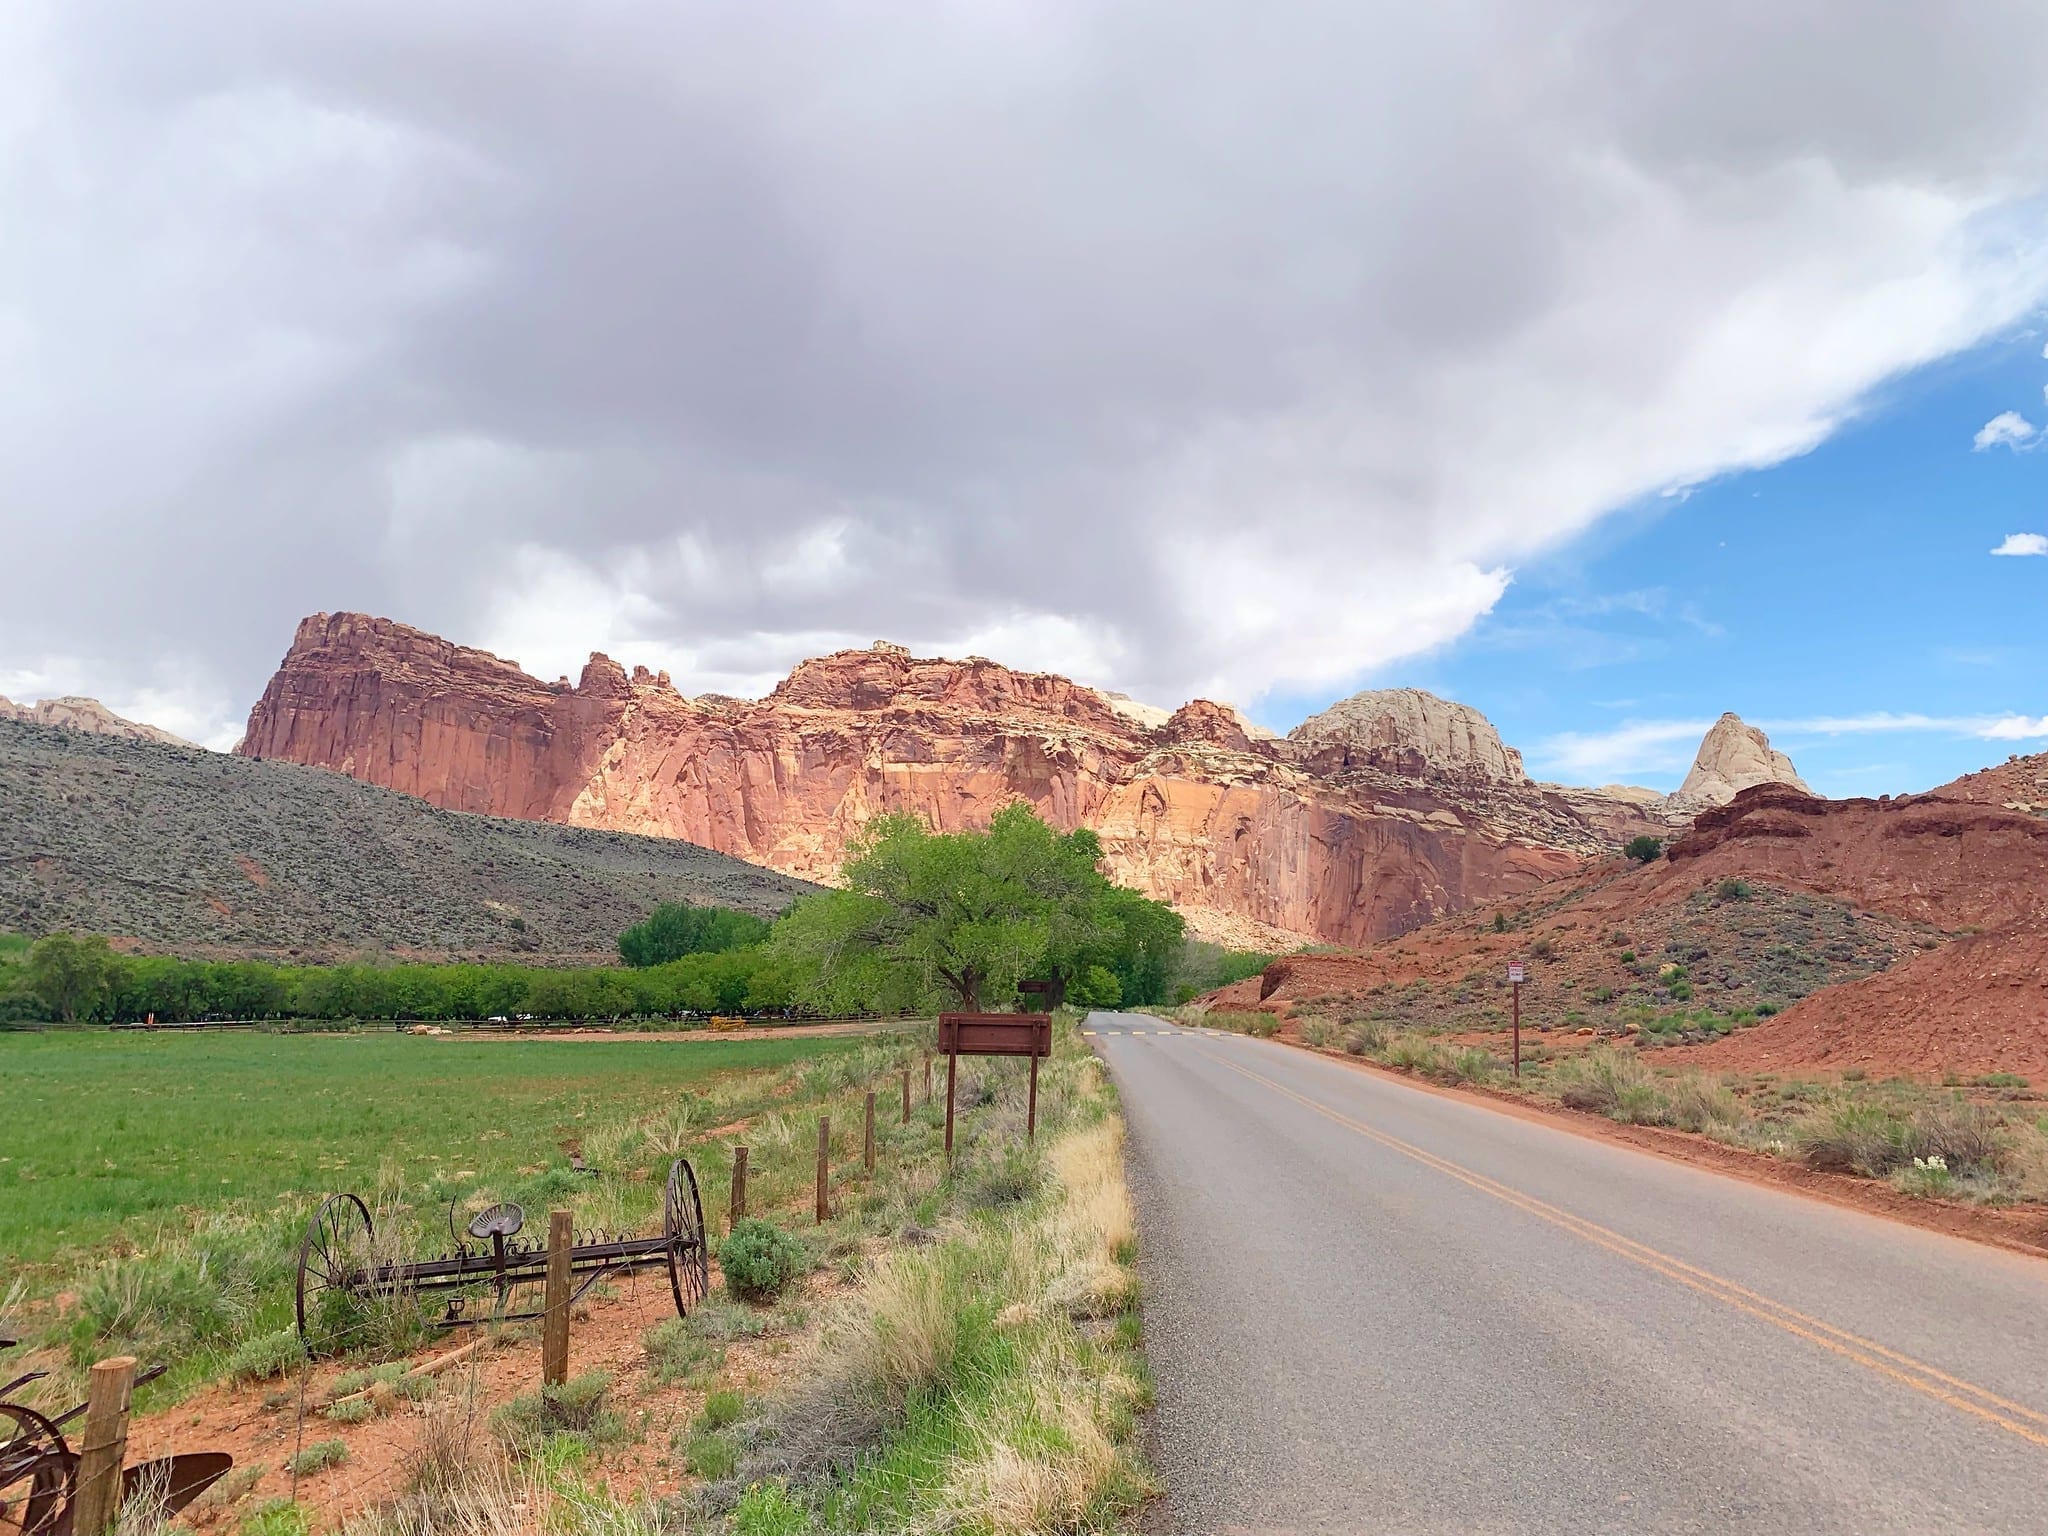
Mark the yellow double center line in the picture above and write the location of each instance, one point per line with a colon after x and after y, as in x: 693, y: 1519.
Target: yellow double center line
x: 2014, y: 1418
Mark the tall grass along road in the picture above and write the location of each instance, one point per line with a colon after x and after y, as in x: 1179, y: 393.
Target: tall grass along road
x: 1373, y: 1307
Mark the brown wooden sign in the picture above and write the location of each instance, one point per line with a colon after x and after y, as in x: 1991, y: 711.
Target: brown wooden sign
x: 994, y: 1034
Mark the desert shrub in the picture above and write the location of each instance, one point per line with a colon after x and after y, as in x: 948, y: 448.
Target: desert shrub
x: 722, y: 1408
x: 1260, y: 1024
x: 1643, y: 849
x: 577, y: 1409
x: 1500, y: 922
x: 1964, y: 1136
x: 1472, y: 1066
x: 1364, y: 1037
x: 675, y: 1351
x: 318, y: 1457
x: 1600, y: 1080
x: 725, y: 1320
x: 709, y: 1455
x: 1602, y: 994
x: 1544, y: 949
x: 1320, y: 1033
x: 266, y: 1355
x: 1998, y: 1080
x: 759, y: 1260
x: 1012, y: 1175
x: 353, y: 1410
x: 165, y: 1303
x: 1412, y: 1053
x: 1696, y: 1104
x: 1855, y: 1137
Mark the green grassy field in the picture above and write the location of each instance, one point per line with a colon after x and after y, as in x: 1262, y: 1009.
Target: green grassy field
x: 160, y: 1182
x: 102, y: 1129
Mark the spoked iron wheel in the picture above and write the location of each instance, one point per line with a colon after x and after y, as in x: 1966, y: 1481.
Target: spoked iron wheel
x: 333, y: 1254
x: 682, y: 1222
x: 36, y: 1472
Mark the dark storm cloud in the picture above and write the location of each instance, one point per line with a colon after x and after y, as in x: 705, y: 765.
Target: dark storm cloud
x: 1186, y: 347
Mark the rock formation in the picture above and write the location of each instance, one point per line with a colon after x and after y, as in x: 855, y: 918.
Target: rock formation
x: 1386, y: 811
x: 91, y: 716
x: 1732, y: 758
x: 1407, y: 731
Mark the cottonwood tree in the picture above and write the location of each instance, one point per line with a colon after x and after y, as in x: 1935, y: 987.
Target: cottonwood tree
x: 966, y: 915
x: 72, y: 977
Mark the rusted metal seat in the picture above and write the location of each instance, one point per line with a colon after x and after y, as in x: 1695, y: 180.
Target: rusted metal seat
x: 505, y: 1219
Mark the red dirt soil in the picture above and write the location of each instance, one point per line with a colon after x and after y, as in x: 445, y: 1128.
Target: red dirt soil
x: 604, y: 1335
x: 1975, y: 1006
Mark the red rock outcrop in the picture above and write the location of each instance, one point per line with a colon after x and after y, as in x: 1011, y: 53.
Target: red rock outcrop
x: 1227, y: 825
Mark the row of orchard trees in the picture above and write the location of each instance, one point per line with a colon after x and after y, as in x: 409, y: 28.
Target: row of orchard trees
x: 82, y: 980
x: 925, y: 920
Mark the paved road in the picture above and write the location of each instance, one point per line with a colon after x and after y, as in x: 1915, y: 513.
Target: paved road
x: 1374, y: 1308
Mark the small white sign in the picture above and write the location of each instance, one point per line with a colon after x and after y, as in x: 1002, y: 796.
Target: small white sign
x: 1517, y: 971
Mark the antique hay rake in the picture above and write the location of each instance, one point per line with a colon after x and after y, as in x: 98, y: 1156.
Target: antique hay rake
x: 339, y: 1269
x: 39, y: 1469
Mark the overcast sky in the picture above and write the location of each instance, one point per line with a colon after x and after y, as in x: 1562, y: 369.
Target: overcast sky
x: 1187, y: 348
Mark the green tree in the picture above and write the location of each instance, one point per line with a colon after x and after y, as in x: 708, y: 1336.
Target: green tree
x: 675, y: 929
x: 1644, y: 848
x: 962, y: 917
x: 72, y: 977
x: 1096, y: 987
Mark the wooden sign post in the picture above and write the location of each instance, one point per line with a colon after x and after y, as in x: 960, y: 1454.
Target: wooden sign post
x: 993, y: 1034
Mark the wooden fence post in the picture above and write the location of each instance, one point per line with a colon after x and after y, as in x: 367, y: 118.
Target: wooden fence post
x: 739, y: 1188
x: 824, y: 1169
x: 906, y: 1095
x: 554, y: 1328
x: 927, y: 1077
x: 110, y: 1390
x: 867, y: 1142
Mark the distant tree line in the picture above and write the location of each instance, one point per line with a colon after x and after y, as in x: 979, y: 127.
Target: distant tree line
x: 926, y: 920
x: 80, y: 980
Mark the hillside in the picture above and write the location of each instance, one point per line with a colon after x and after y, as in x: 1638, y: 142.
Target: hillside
x: 1389, y: 809
x: 204, y: 853
x: 1779, y: 898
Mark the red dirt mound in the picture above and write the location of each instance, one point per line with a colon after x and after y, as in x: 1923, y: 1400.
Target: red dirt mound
x: 1937, y: 858
x: 1975, y: 1006
x: 1777, y: 898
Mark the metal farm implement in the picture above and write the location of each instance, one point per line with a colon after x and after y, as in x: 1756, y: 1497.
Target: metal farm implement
x: 339, y: 1267
x: 39, y: 1470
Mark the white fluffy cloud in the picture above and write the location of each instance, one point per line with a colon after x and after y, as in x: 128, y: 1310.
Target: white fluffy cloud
x: 2008, y: 429
x: 1193, y: 349
x: 2023, y: 544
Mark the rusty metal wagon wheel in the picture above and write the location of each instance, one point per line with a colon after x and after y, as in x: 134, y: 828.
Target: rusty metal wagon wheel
x: 682, y: 1222
x: 334, y: 1251
x: 36, y: 1473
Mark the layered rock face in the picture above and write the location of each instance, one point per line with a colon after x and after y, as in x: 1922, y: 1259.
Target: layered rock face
x: 1405, y: 730
x: 88, y: 715
x: 1395, y: 808
x: 1734, y: 756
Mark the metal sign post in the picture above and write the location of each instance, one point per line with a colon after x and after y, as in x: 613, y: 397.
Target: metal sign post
x: 1517, y: 974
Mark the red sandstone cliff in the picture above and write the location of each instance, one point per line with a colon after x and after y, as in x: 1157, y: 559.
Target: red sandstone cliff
x: 1239, y: 831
